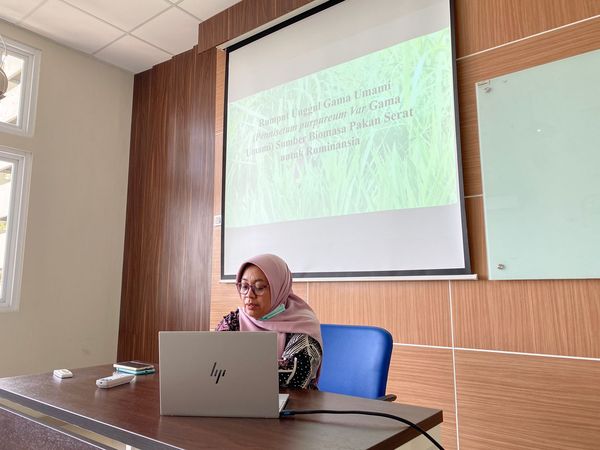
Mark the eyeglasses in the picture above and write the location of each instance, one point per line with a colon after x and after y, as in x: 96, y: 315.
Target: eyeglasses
x: 244, y: 288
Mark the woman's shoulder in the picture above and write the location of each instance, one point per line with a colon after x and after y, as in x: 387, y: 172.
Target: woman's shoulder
x: 233, y: 314
x: 230, y: 322
x: 296, y: 342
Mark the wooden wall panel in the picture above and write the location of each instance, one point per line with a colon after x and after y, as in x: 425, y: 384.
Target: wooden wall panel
x: 218, y: 190
x: 214, y: 31
x: 424, y: 377
x: 521, y: 402
x: 250, y: 14
x: 414, y: 312
x: 173, y: 244
x: 220, y: 101
x: 484, y: 24
x: 469, y: 137
x: 193, y: 160
x: 219, y: 119
x: 285, y: 6
x: 224, y: 297
x: 558, y: 317
x: 131, y: 287
x: 144, y: 320
x: 166, y: 272
x: 476, y: 232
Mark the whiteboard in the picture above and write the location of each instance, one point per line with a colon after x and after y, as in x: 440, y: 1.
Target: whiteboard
x: 539, y: 134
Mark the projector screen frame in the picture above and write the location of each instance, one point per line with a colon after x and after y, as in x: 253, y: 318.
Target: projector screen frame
x: 421, y: 274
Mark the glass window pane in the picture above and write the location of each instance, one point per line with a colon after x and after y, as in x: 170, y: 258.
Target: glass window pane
x: 10, y: 105
x: 6, y: 173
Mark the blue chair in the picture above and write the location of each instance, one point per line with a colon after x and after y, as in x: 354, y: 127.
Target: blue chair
x: 356, y: 361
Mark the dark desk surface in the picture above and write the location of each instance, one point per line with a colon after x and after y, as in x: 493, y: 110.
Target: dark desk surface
x: 130, y: 414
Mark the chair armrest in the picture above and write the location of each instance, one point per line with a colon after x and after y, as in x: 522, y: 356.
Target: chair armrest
x: 388, y: 397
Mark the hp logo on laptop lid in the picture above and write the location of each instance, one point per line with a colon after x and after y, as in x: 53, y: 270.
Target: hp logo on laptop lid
x: 217, y: 373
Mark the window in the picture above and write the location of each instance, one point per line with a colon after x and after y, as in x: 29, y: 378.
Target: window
x: 17, y: 108
x: 15, y: 169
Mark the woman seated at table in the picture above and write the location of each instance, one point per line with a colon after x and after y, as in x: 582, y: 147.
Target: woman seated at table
x: 265, y: 287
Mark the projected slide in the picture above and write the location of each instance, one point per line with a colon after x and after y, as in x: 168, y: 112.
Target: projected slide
x: 372, y: 134
x: 340, y: 144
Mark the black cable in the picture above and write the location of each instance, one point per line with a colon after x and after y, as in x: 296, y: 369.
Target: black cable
x: 292, y: 412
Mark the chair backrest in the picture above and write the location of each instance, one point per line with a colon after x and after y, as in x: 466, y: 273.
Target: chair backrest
x: 356, y: 360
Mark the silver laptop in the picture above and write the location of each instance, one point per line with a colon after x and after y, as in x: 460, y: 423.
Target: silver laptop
x: 226, y: 374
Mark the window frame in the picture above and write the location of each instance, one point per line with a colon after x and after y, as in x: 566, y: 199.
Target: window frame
x: 15, y: 232
x: 29, y: 88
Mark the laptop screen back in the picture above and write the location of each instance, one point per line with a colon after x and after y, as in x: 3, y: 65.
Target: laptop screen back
x: 228, y: 374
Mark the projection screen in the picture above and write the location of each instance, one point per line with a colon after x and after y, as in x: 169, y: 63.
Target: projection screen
x: 341, y: 149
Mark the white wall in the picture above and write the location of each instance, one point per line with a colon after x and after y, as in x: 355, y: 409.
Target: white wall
x: 71, y: 287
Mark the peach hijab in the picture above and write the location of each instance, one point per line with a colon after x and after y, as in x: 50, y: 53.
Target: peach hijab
x: 298, y: 317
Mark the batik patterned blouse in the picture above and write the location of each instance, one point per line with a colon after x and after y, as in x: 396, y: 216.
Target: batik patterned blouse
x: 300, y: 360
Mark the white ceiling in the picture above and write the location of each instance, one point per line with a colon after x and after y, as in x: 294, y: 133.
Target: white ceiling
x: 131, y: 34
